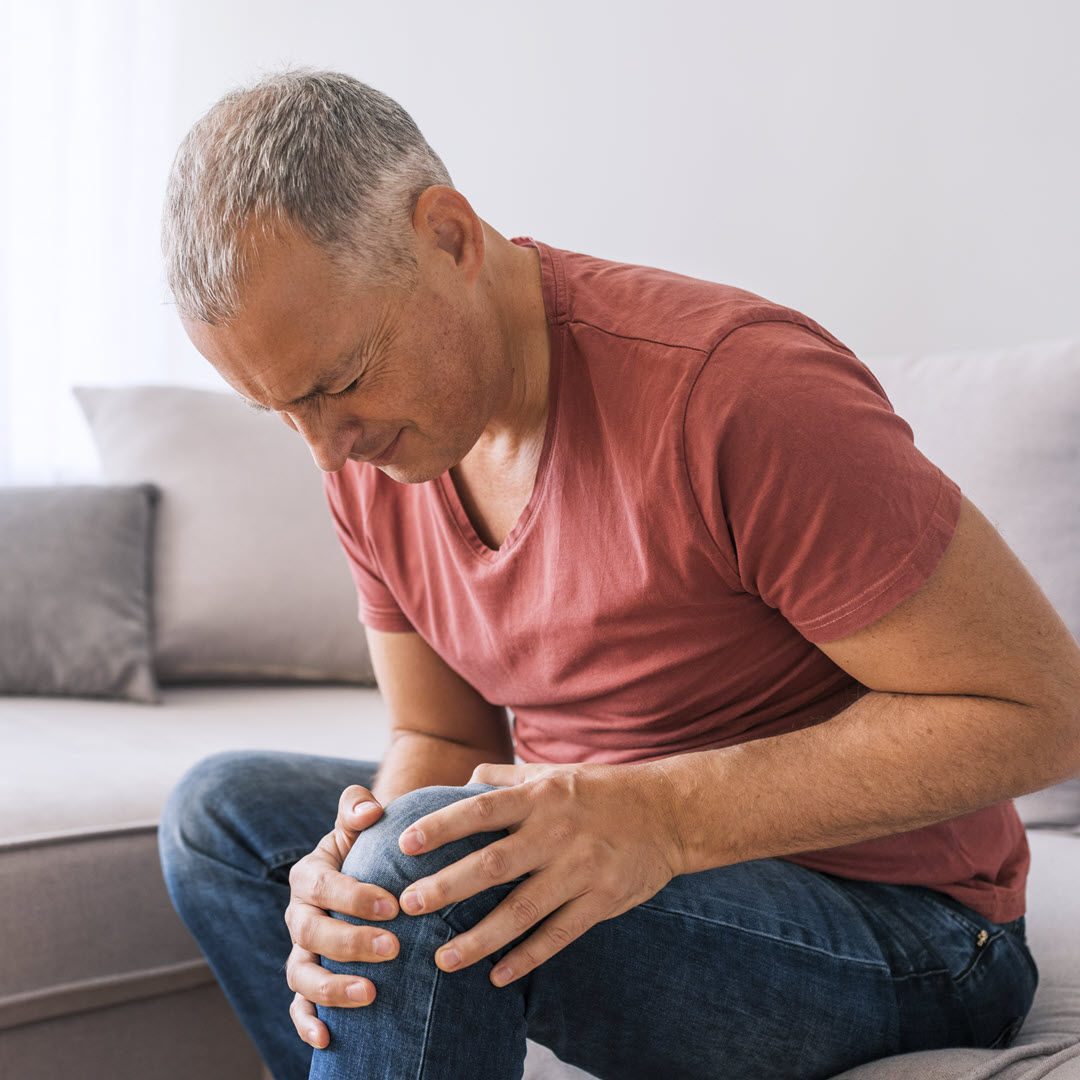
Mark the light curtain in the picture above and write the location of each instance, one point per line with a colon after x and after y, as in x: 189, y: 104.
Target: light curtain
x: 86, y: 139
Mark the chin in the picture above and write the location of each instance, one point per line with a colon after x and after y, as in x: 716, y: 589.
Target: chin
x: 405, y: 473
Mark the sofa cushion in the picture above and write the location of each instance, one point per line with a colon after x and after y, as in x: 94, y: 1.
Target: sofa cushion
x: 1005, y: 425
x: 75, y: 601
x: 250, y: 579
x: 87, y: 818
x: 72, y: 766
x: 83, y: 823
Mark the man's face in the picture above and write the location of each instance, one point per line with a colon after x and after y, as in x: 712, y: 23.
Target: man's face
x: 404, y: 380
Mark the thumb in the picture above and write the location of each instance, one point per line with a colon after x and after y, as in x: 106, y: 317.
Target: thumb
x: 357, y: 809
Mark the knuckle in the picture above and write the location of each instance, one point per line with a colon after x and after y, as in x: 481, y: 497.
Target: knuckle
x: 324, y: 989
x: 585, y: 867
x: 530, y: 956
x: 316, y: 890
x: 484, y: 805
x: 297, y: 873
x: 559, y: 935
x: 546, y: 786
x: 589, y: 862
x: 582, y: 923
x: 304, y: 930
x: 493, y: 863
x: 524, y: 911
x: 609, y: 888
x: 561, y: 833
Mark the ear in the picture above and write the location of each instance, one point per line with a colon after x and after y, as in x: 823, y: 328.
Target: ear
x: 445, y: 224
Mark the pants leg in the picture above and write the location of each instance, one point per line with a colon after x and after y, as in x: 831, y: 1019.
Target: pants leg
x: 760, y: 970
x: 423, y: 1021
x: 763, y: 969
x: 230, y: 832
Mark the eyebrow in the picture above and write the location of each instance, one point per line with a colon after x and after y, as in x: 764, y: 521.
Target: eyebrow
x: 322, y: 383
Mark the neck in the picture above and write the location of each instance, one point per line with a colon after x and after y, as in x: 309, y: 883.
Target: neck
x: 514, y: 278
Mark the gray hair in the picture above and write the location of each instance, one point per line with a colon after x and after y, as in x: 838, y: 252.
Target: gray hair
x: 314, y: 149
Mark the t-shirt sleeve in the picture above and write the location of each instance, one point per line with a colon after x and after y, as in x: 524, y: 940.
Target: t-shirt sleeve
x: 377, y: 606
x: 816, y: 497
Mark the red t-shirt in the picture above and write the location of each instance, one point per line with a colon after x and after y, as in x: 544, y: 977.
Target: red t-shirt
x: 722, y: 485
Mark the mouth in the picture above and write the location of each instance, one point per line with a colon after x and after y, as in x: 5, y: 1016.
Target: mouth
x: 385, y: 456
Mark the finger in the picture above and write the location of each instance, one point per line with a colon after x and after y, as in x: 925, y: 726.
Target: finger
x: 553, y: 935
x: 487, y: 812
x: 308, y: 978
x: 317, y: 880
x: 307, y: 1023
x: 520, y: 911
x: 499, y: 775
x: 495, y: 863
x: 312, y: 929
x: 357, y: 809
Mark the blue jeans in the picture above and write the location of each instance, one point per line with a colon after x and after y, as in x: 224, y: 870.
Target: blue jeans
x: 758, y: 970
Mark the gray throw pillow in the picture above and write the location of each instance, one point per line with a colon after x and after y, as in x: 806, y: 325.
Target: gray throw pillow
x: 250, y: 579
x: 75, y: 596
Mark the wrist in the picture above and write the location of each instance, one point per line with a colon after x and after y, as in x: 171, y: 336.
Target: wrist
x: 664, y: 786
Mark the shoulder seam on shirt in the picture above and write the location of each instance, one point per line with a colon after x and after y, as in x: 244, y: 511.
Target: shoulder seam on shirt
x: 832, y: 342
x: 635, y: 337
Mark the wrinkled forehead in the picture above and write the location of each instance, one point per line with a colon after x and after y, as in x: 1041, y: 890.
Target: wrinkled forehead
x: 300, y: 322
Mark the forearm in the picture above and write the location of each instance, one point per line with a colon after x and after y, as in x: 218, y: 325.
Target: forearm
x: 888, y: 764
x: 417, y: 760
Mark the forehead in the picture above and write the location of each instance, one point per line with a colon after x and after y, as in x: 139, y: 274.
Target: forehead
x: 300, y: 316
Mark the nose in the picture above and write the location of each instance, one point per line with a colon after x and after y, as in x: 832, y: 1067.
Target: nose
x: 330, y: 443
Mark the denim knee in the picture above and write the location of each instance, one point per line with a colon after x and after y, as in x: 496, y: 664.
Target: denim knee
x: 377, y: 859
x: 221, y: 815
x: 204, y: 797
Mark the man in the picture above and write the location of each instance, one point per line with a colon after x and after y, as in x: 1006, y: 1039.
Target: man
x: 770, y: 717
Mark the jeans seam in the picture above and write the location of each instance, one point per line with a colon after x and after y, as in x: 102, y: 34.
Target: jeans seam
x: 770, y: 937
x: 430, y: 1014
x: 268, y: 864
x: 291, y: 855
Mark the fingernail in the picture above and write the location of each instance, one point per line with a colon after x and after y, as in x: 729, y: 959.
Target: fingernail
x: 412, y: 902
x: 383, y: 944
x: 313, y: 1037
x: 501, y: 975
x: 363, y: 807
x: 384, y: 907
x: 449, y: 958
x: 412, y: 841
x: 356, y: 991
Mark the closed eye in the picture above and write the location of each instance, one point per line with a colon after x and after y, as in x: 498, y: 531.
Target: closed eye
x: 348, y: 389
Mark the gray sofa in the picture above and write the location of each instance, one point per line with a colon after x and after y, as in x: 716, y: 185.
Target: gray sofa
x: 253, y: 642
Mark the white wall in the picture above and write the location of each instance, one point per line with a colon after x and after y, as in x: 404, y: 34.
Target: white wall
x: 904, y: 171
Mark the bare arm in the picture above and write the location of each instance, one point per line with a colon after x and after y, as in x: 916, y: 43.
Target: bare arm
x: 440, y: 726
x: 976, y: 699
